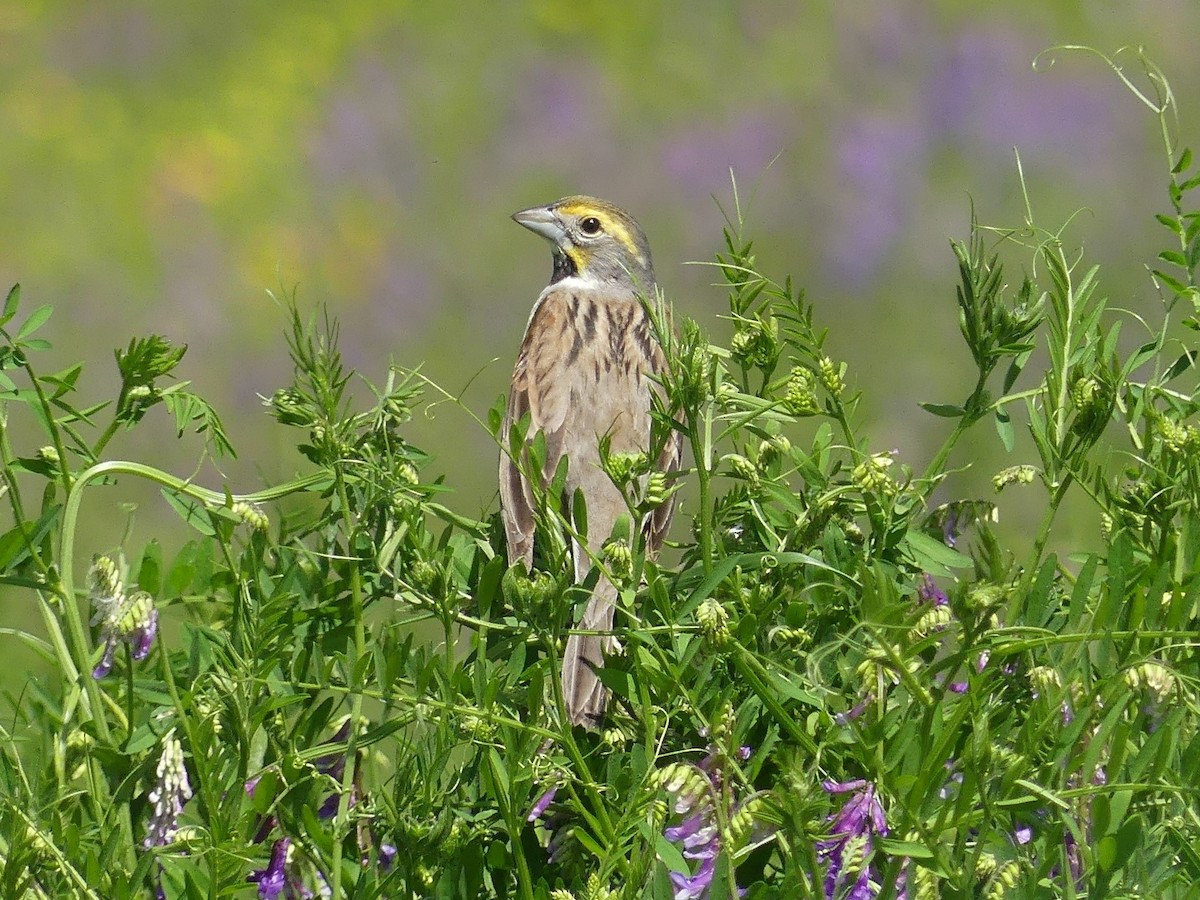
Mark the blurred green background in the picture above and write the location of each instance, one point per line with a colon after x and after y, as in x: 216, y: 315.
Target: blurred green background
x: 162, y: 166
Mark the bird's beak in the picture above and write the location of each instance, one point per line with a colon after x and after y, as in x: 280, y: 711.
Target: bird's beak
x: 541, y: 220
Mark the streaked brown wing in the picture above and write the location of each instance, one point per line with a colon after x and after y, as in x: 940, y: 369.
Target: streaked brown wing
x: 541, y: 388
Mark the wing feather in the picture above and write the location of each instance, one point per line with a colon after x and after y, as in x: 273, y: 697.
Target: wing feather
x: 541, y: 390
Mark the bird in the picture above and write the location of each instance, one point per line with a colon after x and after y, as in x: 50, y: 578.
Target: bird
x: 588, y: 366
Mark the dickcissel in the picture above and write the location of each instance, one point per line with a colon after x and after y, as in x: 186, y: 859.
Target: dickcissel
x: 583, y: 374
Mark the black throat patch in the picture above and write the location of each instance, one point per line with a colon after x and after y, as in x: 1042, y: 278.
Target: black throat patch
x: 564, y: 266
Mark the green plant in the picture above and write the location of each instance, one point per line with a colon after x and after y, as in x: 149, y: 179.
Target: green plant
x: 828, y: 688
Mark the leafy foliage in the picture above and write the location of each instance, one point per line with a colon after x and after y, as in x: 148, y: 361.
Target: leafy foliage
x: 829, y: 688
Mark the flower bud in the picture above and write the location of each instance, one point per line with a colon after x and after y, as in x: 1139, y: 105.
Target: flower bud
x: 800, y: 397
x: 289, y: 408
x: 832, y: 376
x: 742, y: 467
x: 1153, y: 679
x: 657, y: 490
x: 624, y: 467
x: 252, y: 515
x: 713, y: 621
x: 618, y: 558
x: 104, y: 581
x: 1013, y: 475
x: 871, y: 475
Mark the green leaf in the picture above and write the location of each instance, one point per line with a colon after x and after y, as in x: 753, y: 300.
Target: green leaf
x: 11, y: 302
x: 1004, y: 428
x: 1128, y: 838
x: 148, y: 358
x: 945, y: 410
x: 1170, y: 222
x: 149, y: 576
x: 932, y: 555
x: 1173, y: 283
x: 499, y: 772
x: 671, y: 856
x: 1184, y: 161
x: 35, y: 321
x: 910, y: 849
x: 788, y: 688
x: 192, y: 512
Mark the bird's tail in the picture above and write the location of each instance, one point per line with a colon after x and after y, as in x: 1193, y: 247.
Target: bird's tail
x: 585, y: 695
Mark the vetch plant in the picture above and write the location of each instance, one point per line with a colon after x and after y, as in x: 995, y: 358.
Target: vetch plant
x: 336, y: 686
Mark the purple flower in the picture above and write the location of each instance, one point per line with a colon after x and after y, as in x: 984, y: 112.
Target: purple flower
x: 142, y: 636
x: 950, y: 528
x: 696, y: 789
x: 845, y: 718
x: 557, y: 846
x: 334, y: 765
x: 929, y: 592
x: 130, y: 619
x: 273, y: 879
x: 848, y: 850
x: 387, y: 856
x: 949, y: 790
x: 555, y: 824
x: 692, y: 887
x: 541, y: 805
x: 171, y: 790
x: 329, y: 808
x: 685, y: 829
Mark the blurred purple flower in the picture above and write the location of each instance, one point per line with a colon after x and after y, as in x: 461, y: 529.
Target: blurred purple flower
x: 847, y: 851
x: 555, y: 823
x: 266, y: 824
x: 387, y: 856
x: 845, y: 718
x: 692, y: 887
x: 272, y: 880
x: 334, y: 765
x: 700, y: 154
x: 986, y: 93
x: 881, y: 161
x: 949, y: 790
x: 540, y: 806
x: 171, y: 790
x: 697, y: 834
x: 123, y: 618
x: 929, y: 592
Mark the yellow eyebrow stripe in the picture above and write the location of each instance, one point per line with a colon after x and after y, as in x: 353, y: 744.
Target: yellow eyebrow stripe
x: 611, y: 225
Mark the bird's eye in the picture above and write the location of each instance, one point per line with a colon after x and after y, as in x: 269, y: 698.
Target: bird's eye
x: 590, y: 225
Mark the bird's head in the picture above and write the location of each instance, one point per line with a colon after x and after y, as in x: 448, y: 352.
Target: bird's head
x: 593, y: 241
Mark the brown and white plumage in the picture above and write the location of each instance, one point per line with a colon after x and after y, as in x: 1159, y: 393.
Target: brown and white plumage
x: 583, y: 373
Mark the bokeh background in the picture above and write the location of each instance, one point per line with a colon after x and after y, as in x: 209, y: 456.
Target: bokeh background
x: 164, y: 166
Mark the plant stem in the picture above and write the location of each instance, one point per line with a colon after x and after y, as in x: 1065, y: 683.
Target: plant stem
x: 965, y: 421
x: 702, y: 452
x: 356, y: 692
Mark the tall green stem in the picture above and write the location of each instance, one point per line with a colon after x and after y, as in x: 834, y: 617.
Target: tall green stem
x: 356, y: 692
